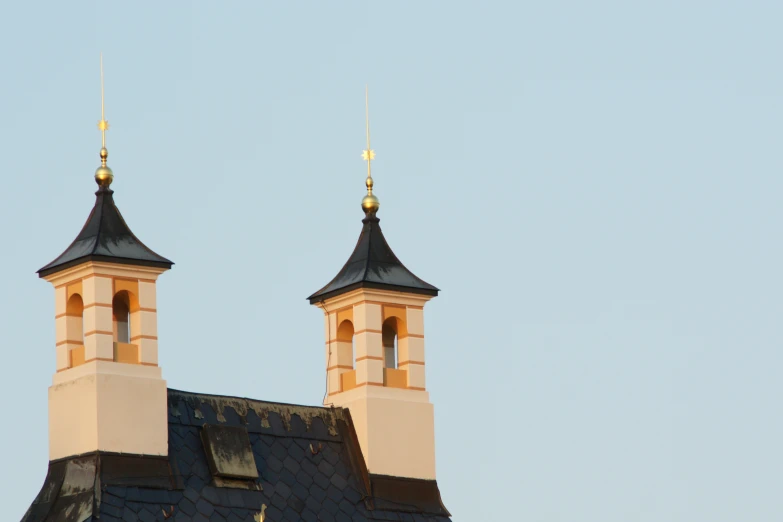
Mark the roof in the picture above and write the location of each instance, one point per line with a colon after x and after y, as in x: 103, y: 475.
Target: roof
x: 307, y: 460
x: 373, y: 265
x: 105, y: 237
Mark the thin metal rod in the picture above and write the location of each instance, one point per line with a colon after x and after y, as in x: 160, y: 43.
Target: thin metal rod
x: 367, y: 122
x: 103, y: 114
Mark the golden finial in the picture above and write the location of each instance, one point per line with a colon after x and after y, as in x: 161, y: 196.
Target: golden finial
x: 103, y: 175
x: 370, y: 203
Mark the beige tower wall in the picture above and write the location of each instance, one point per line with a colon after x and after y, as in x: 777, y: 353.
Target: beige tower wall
x: 394, y: 419
x: 105, y: 395
x: 395, y: 428
x: 108, y: 406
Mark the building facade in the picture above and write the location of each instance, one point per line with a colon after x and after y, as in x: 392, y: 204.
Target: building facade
x: 125, y: 447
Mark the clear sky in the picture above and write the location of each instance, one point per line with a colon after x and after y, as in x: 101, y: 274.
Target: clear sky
x: 595, y: 187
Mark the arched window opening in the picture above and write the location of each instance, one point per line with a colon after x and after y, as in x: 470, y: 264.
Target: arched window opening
x: 343, y: 361
x: 74, y: 309
x: 121, y: 311
x: 345, y: 335
x: 389, y: 336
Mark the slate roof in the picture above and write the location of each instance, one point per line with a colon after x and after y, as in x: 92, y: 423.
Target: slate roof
x: 373, y: 265
x: 308, y: 462
x: 105, y: 237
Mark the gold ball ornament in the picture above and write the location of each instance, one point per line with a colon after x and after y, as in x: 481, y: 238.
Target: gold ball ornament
x: 103, y: 174
x: 370, y: 204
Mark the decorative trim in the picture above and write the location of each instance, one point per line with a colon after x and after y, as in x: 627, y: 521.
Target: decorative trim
x: 103, y: 305
x: 367, y: 330
x: 370, y: 357
x: 98, y: 332
x: 404, y: 363
x: 72, y: 281
x: 69, y: 341
x: 97, y: 359
x: 339, y: 366
x: 136, y: 337
x: 66, y: 314
x: 123, y: 278
x: 416, y: 388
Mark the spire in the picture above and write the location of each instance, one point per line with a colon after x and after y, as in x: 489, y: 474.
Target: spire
x: 370, y: 203
x: 105, y: 236
x: 372, y: 263
x: 103, y: 174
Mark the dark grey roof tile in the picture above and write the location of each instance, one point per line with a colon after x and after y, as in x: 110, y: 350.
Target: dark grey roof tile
x: 304, y: 479
x: 274, y: 463
x: 279, y: 450
x: 112, y: 509
x: 326, y: 516
x: 314, y: 503
x: 341, y: 516
x: 146, y: 516
x: 338, y: 481
x: 273, y: 513
x: 295, y: 504
x: 333, y: 493
x: 291, y: 515
x: 320, y: 481
x: 211, y: 495
x: 288, y: 478
x: 352, y: 495
x: 300, y: 491
x: 282, y: 489
x: 187, y: 507
x: 233, y: 517
x: 331, y: 506
x: 308, y: 515
x: 278, y: 501
x: 326, y: 468
x: 204, y: 507
x: 192, y: 495
x: 129, y: 515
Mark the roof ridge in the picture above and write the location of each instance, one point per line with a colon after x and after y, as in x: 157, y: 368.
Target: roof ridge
x: 100, y: 196
x: 212, y: 396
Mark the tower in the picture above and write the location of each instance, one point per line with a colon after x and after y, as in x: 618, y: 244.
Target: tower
x: 108, y: 393
x: 375, y: 364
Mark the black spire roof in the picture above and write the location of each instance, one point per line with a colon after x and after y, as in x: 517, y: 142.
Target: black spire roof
x: 373, y: 265
x: 105, y: 237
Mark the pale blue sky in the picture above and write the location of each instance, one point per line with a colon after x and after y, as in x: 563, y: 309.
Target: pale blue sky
x: 595, y: 186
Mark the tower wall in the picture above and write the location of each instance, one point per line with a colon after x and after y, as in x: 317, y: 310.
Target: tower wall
x: 106, y: 395
x: 390, y: 406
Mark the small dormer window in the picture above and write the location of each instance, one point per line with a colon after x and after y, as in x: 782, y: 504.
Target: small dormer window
x: 229, y: 453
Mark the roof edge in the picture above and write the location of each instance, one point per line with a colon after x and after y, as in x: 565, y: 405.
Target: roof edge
x: 317, y: 298
x: 47, y: 271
